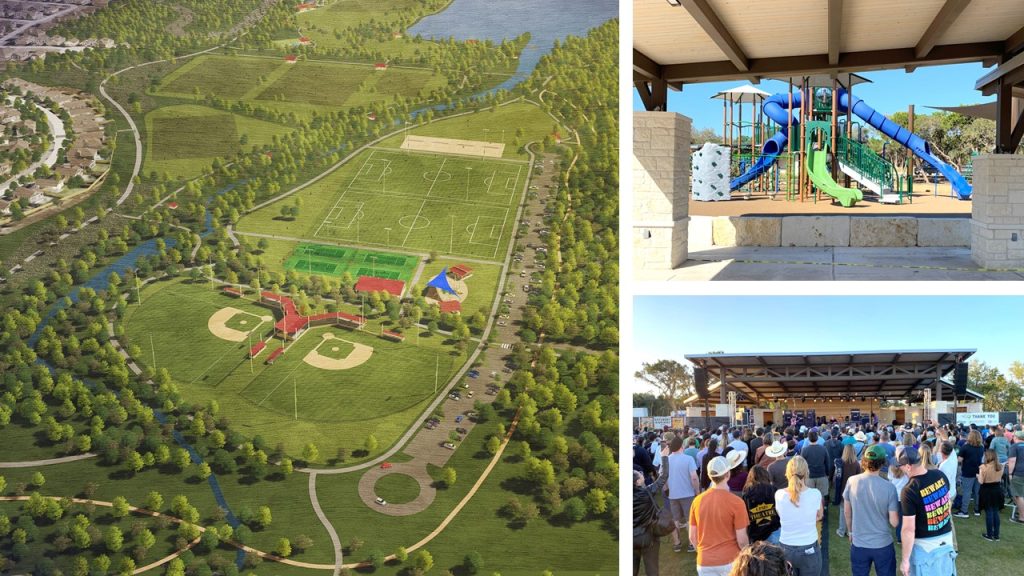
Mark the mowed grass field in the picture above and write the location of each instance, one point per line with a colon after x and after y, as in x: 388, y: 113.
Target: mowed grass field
x: 498, y: 125
x: 184, y: 139
x: 477, y: 524
x: 302, y: 87
x: 289, y: 401
x: 414, y: 201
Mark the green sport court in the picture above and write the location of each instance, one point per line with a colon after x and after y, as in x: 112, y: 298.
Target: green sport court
x: 336, y: 261
x: 422, y: 201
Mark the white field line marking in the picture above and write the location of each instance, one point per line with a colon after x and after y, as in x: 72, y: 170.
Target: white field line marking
x: 424, y: 203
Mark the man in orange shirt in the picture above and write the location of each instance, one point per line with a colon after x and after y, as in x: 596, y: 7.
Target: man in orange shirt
x: 718, y: 520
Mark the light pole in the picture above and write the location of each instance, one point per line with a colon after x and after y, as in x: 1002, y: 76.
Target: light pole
x: 468, y: 170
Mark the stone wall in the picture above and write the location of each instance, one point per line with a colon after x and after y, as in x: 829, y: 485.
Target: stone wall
x: 661, y: 189
x: 997, y: 219
x: 830, y: 231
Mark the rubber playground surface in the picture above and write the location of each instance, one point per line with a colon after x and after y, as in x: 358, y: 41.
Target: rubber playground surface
x: 336, y: 261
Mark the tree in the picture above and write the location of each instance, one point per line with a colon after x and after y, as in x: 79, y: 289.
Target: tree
x: 401, y: 554
x: 37, y: 479
x: 175, y: 567
x: 473, y: 562
x: 376, y: 559
x: 448, y: 476
x: 371, y: 443
x: 287, y: 467
x: 154, y: 501
x: 204, y: 471
x: 493, y: 444
x: 263, y: 517
x: 671, y: 378
x: 302, y: 542
x: 283, y: 548
x: 120, y: 507
x: 310, y: 453
x: 209, y: 540
x: 423, y: 561
x: 113, y: 539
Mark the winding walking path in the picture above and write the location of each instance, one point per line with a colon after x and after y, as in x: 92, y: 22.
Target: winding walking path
x: 47, y: 461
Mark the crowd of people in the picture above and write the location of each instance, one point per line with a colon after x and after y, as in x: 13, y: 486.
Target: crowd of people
x: 749, y: 501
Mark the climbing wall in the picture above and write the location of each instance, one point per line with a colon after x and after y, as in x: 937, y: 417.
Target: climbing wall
x: 710, y: 173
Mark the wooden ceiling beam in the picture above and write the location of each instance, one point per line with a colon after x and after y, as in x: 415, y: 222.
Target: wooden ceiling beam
x: 835, y: 28
x: 818, y: 63
x: 644, y: 66
x: 947, y: 15
x: 712, y: 25
x: 1015, y: 42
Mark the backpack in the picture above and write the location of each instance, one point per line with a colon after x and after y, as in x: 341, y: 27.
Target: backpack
x: 837, y: 481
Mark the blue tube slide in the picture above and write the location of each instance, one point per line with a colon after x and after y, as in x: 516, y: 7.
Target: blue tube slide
x: 919, y: 146
x: 775, y: 107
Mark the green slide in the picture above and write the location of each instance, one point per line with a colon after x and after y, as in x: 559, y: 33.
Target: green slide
x: 821, y: 178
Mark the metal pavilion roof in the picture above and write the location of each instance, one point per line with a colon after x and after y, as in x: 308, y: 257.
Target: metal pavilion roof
x: 883, y: 374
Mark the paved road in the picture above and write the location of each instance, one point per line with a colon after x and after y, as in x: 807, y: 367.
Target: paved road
x: 29, y: 24
x: 47, y: 461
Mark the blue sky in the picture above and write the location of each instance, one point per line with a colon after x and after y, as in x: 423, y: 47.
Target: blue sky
x: 667, y: 327
x: 891, y: 91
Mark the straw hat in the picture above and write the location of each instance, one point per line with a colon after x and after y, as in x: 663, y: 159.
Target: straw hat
x: 860, y: 436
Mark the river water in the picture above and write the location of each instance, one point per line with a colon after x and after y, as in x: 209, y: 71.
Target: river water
x: 497, y: 20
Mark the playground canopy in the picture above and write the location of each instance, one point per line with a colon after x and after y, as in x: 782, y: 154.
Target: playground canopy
x: 882, y: 375
x: 677, y: 42
x: 742, y: 94
x: 441, y: 282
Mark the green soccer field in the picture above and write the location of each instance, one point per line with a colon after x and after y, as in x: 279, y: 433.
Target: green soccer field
x: 412, y: 201
x: 336, y: 261
x: 290, y: 401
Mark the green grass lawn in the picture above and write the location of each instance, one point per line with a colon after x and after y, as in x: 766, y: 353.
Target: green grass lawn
x: 184, y: 139
x: 246, y: 321
x: 335, y: 348
x: 500, y: 125
x: 289, y: 401
x: 478, y: 526
x: 24, y: 441
x: 482, y: 285
x: 414, y: 201
x: 397, y: 488
x: 977, y: 555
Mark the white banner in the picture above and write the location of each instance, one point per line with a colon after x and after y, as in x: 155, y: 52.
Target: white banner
x: 662, y: 421
x: 978, y: 418
x: 640, y: 412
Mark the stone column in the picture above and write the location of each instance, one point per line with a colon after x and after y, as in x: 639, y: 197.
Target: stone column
x: 997, y: 217
x: 661, y: 190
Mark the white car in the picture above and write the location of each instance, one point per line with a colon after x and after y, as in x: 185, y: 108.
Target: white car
x: 382, y: 501
x: 449, y: 445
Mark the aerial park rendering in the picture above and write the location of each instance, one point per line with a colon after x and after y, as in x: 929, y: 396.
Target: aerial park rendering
x: 300, y: 288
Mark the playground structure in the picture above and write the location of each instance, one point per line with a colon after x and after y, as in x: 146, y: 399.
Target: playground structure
x: 802, y: 151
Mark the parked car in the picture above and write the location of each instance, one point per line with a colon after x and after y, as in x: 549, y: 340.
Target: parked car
x: 449, y: 445
x: 458, y: 418
x: 460, y: 430
x: 382, y: 501
x: 473, y: 373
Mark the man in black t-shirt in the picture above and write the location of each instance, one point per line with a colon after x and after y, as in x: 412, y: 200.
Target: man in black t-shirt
x: 927, y: 518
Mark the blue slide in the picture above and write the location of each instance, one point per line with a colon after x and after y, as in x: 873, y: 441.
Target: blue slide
x: 775, y: 107
x: 915, y: 143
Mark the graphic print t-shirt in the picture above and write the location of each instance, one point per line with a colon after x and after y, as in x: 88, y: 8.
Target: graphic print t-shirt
x: 927, y: 498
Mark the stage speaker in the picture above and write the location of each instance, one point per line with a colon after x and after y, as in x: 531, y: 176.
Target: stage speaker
x: 700, y: 382
x: 960, y: 379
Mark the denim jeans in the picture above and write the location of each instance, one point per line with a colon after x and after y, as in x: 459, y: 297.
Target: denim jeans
x: 648, y: 558
x: 884, y: 560
x: 992, y: 522
x: 939, y: 562
x: 806, y: 560
x: 773, y: 538
x: 969, y: 490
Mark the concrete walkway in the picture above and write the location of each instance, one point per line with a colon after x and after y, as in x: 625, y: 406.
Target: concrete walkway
x: 773, y: 264
x: 47, y: 461
x: 335, y: 539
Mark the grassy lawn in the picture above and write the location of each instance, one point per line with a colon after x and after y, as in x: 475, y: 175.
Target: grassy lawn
x: 24, y: 441
x: 397, y: 488
x: 488, y: 126
x: 478, y: 526
x: 317, y: 83
x: 482, y: 284
x: 335, y: 348
x: 184, y: 139
x: 290, y: 401
x: 415, y: 201
x: 977, y: 555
